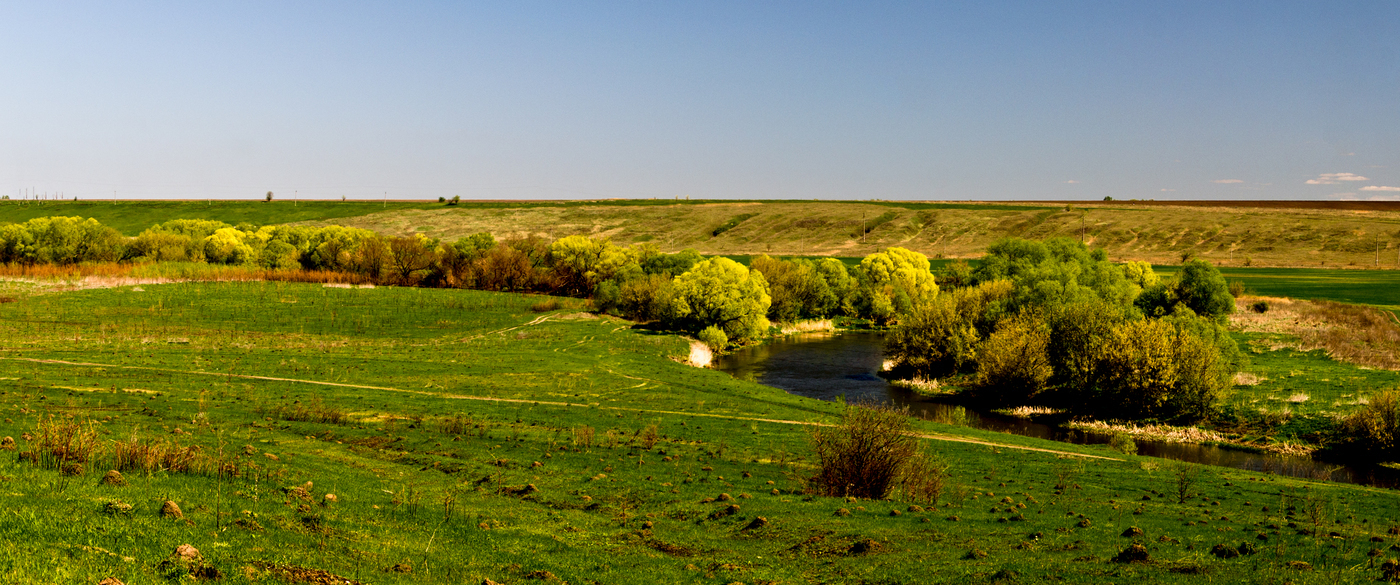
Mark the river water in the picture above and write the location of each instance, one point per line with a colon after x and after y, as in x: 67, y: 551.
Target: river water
x: 831, y: 366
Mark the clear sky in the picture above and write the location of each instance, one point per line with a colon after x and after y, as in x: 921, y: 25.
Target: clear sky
x: 577, y: 99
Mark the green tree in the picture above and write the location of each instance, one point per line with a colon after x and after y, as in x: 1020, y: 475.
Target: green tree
x: 229, y: 246
x: 1201, y: 287
x: 1013, y: 363
x: 1054, y: 272
x: 723, y: 293
x: 893, y: 281
x: 798, y: 290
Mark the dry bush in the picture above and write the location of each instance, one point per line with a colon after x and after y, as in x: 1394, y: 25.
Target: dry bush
x: 1375, y: 427
x: 583, y: 437
x: 648, y: 436
x: 545, y: 306
x: 454, y: 425
x: 156, y: 454
x: 315, y: 276
x: 1356, y: 334
x: 62, y: 443
x: 313, y: 412
x: 870, y: 453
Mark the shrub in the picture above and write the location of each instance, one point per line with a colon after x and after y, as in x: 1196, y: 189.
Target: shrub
x: 1123, y: 443
x: 731, y: 223
x: 1375, y: 428
x: 1259, y: 306
x: 545, y: 306
x: 1201, y: 287
x: 1150, y: 368
x: 713, y: 337
x: 1013, y: 363
x: 870, y: 453
x: 940, y: 336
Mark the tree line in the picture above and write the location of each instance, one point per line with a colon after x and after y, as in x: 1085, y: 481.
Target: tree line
x: 1051, y: 322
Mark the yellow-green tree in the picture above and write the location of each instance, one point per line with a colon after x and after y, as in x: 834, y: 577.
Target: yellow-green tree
x: 892, y: 282
x: 723, y: 293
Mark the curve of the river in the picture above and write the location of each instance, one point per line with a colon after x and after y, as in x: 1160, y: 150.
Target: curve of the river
x: 828, y: 366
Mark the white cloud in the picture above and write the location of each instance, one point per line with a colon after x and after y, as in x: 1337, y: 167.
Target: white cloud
x: 1383, y: 198
x: 1167, y: 190
x: 1227, y: 181
x: 1344, y: 196
x: 1379, y: 188
x: 1072, y: 182
x: 1334, y: 178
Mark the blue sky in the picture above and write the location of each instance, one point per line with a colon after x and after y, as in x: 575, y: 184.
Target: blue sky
x: 521, y: 99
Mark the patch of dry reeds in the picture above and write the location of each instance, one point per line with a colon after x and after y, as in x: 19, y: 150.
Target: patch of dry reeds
x: 1355, y: 334
x: 314, y: 411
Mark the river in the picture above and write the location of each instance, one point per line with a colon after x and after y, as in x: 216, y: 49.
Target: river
x: 831, y: 366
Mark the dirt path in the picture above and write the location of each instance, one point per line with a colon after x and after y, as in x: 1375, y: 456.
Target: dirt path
x: 929, y: 436
x: 537, y: 321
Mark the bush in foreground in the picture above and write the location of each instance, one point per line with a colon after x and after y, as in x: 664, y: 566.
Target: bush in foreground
x: 870, y: 453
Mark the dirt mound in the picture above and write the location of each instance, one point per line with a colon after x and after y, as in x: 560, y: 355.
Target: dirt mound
x: 674, y: 550
x: 172, y: 510
x: 295, y: 574
x: 113, y: 478
x: 1133, y: 554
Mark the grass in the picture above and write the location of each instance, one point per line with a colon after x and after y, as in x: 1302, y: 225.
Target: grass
x: 1245, y: 235
x: 394, y: 435
x: 1284, y: 373
x: 1161, y: 234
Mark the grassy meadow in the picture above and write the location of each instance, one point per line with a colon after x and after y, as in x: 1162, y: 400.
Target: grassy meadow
x: 1250, y: 234
x: 394, y: 435
x: 1230, y: 236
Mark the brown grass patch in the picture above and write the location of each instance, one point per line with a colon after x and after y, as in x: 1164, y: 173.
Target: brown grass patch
x: 295, y: 574
x: 1354, y: 334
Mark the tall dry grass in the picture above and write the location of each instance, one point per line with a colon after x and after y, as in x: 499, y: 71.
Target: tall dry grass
x: 1354, y: 334
x: 72, y: 447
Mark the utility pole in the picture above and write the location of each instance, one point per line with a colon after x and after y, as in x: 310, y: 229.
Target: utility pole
x: 386, y: 199
x: 862, y: 227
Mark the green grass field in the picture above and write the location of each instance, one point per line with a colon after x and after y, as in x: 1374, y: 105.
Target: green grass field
x: 451, y: 397
x: 1305, y: 383
x: 131, y: 217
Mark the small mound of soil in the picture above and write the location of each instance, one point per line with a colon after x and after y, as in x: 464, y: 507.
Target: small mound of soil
x: 113, y: 478
x: 757, y: 523
x: 1224, y: 551
x: 172, y: 510
x: 727, y: 511
x: 864, y: 546
x: 1133, y: 554
x: 295, y: 574
x: 1132, y: 531
x: 674, y: 550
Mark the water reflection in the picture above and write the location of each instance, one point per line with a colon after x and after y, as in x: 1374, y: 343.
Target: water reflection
x: 846, y: 365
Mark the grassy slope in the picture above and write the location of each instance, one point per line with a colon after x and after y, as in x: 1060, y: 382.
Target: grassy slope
x: 1273, y: 237
x: 1227, y: 236
x: 130, y: 217
x: 424, y: 350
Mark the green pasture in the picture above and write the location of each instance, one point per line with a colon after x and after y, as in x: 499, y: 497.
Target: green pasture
x: 131, y: 217
x: 1293, y: 382
x: 430, y: 477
